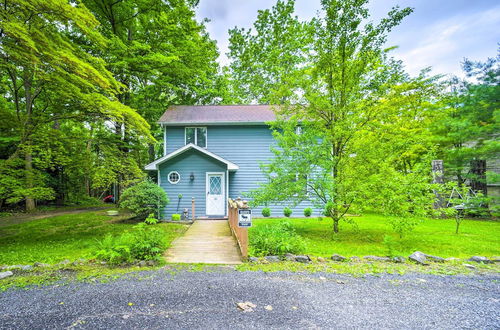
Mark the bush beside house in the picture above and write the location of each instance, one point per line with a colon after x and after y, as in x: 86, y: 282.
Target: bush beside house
x: 144, y: 198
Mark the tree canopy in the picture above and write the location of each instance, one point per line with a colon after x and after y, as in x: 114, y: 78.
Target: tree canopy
x: 353, y: 132
x: 83, y: 84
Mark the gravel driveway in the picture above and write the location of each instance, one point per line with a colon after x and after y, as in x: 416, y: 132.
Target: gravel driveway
x: 207, y: 300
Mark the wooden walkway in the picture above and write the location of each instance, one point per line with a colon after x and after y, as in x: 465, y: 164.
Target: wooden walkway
x: 206, y: 241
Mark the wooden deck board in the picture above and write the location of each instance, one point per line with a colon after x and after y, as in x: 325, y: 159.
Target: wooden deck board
x: 206, y: 241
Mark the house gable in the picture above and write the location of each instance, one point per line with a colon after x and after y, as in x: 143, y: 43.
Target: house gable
x: 154, y: 165
x: 192, y: 167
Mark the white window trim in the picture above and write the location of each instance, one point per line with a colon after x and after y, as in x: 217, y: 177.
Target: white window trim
x: 196, y: 135
x: 168, y: 177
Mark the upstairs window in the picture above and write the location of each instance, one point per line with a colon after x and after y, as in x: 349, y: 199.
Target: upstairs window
x: 196, y: 135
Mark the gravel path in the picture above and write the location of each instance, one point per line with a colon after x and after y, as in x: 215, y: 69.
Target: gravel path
x: 207, y: 300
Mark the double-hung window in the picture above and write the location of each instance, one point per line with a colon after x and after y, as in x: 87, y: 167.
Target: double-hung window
x: 196, y: 135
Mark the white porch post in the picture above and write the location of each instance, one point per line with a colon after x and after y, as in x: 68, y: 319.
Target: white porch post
x: 227, y: 192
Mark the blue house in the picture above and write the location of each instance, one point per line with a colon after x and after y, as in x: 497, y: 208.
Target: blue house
x: 212, y: 153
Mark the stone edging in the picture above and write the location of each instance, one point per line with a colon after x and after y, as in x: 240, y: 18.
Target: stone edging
x: 416, y: 257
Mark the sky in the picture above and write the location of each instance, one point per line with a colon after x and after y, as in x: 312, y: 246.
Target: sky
x: 438, y: 34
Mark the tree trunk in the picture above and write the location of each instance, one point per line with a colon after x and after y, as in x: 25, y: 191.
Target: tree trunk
x: 151, y: 152
x: 28, y: 166
x: 335, y: 219
x: 87, y: 169
x: 336, y: 226
x: 28, y: 158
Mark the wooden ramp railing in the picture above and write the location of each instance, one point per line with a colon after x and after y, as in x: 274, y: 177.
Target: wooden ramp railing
x: 240, y: 233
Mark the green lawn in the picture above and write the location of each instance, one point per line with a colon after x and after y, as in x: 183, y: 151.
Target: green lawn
x: 63, y: 237
x: 432, y: 236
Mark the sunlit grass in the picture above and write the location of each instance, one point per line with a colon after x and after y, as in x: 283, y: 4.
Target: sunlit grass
x: 63, y: 237
x: 431, y: 236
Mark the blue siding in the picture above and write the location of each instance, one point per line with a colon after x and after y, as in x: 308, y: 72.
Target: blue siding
x: 191, y: 161
x: 247, y: 147
x: 175, y: 138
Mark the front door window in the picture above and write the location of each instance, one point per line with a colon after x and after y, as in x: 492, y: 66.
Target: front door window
x: 215, y: 185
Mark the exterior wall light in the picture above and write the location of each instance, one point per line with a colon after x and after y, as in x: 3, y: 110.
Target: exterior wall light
x: 191, y: 177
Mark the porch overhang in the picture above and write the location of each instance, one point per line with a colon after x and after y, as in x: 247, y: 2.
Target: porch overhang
x: 154, y: 165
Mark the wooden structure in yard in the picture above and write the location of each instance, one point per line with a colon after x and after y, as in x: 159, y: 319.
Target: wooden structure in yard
x: 240, y: 233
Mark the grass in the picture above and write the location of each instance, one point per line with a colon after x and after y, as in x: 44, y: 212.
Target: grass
x: 42, y: 209
x: 70, y: 236
x: 432, y: 236
x: 74, y: 236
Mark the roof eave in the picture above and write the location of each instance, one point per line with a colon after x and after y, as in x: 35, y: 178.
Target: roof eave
x: 166, y: 123
x: 154, y: 165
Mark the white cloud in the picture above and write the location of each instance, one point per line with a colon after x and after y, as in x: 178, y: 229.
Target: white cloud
x: 431, y: 36
x: 444, y: 44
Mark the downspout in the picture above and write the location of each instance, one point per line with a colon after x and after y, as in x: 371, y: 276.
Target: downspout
x: 164, y: 139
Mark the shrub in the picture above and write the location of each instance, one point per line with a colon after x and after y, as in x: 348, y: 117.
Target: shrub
x: 266, y: 212
x: 144, y: 198
x: 287, y: 212
x: 176, y: 217
x: 151, y: 220
x: 115, y: 250
x: 275, y: 239
x: 327, y: 211
x: 149, y: 243
x: 142, y: 243
x: 308, y: 211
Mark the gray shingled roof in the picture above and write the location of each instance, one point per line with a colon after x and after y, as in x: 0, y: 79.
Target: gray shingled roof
x: 214, y: 114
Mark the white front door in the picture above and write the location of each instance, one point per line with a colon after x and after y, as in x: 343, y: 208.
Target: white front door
x: 215, y: 193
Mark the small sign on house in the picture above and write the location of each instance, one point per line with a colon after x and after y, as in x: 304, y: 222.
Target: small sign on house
x: 244, y: 218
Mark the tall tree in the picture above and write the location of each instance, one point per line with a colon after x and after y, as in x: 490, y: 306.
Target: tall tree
x: 264, y: 57
x: 160, y: 52
x: 467, y: 133
x: 163, y: 56
x: 345, y: 101
x: 47, y: 78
